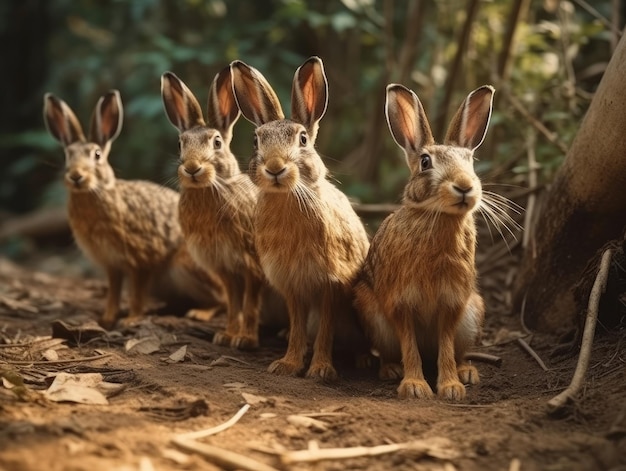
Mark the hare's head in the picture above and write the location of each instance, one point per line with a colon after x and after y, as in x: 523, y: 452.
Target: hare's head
x: 442, y: 175
x: 205, y: 156
x: 285, y: 159
x: 86, y: 161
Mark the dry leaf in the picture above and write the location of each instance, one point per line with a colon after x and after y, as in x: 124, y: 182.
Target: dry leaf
x: 146, y: 345
x: 308, y: 422
x: 50, y: 355
x: 87, y: 388
x: 253, y: 399
x: 178, y: 355
x: 76, y: 388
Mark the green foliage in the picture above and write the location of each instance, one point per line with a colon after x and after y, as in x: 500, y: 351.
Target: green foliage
x: 127, y: 44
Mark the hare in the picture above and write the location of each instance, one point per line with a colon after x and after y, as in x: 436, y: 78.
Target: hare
x: 130, y: 228
x: 310, y: 241
x: 416, y: 293
x: 217, y: 201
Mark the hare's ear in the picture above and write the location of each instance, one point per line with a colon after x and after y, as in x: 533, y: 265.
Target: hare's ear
x: 181, y: 106
x: 407, y: 119
x: 254, y: 95
x: 61, y: 121
x: 107, y: 118
x: 223, y: 111
x: 309, y: 94
x: 469, y: 125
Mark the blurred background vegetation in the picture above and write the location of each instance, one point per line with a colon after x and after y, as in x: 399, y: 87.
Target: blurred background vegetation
x: 545, y: 58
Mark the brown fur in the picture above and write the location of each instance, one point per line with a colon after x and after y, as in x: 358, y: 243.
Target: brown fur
x: 309, y: 239
x: 130, y: 228
x: 217, y: 202
x: 416, y: 293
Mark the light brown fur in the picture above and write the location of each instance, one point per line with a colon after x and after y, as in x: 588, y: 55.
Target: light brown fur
x: 416, y: 292
x: 217, y: 202
x: 130, y: 228
x: 309, y: 239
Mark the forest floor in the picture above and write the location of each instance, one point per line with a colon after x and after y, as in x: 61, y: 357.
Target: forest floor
x: 503, y: 424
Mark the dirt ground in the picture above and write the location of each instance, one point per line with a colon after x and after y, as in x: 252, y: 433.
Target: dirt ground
x: 503, y: 423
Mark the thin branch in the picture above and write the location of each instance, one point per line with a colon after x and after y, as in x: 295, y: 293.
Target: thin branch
x: 455, y: 68
x: 55, y: 362
x: 214, y: 430
x: 528, y: 349
x: 484, y: 357
x: 223, y: 458
x: 557, y: 402
x: 518, y: 12
x: 532, y: 198
x: 596, y: 14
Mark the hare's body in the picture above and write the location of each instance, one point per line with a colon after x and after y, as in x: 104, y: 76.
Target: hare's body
x: 309, y: 239
x: 130, y: 228
x: 416, y: 293
x: 217, y: 202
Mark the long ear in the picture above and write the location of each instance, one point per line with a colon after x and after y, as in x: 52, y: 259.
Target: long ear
x: 407, y: 119
x: 61, y: 121
x: 223, y: 111
x: 469, y: 125
x: 309, y: 94
x: 107, y: 118
x: 254, y: 95
x: 181, y: 106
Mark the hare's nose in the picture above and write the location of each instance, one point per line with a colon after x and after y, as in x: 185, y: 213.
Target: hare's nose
x: 193, y: 171
x: 76, y: 177
x: 462, y: 190
x: 275, y: 173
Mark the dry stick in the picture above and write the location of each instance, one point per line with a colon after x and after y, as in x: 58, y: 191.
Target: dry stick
x: 557, y: 402
x: 484, y: 357
x: 532, y: 198
x: 217, y: 455
x: 321, y: 454
x: 55, y: 362
x: 214, y: 430
x: 532, y: 353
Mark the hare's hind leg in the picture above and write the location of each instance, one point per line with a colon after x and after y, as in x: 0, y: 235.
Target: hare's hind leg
x: 115, y: 278
x: 293, y: 361
x: 248, y: 335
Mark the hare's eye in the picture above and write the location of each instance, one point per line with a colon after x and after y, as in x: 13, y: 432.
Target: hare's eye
x: 256, y: 141
x: 303, y: 139
x: 425, y: 162
x: 180, y: 145
x: 97, y: 154
x: 217, y: 143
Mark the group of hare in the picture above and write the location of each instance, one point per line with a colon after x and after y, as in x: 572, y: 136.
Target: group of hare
x: 284, y: 231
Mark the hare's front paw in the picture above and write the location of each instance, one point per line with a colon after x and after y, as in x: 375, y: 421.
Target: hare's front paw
x: 324, y: 371
x: 451, y: 390
x: 414, y: 389
x: 222, y: 338
x: 245, y: 342
x: 389, y: 371
x: 468, y: 374
x: 284, y: 368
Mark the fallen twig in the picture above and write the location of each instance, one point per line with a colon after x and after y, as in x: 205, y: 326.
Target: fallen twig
x: 434, y: 447
x: 484, y: 357
x: 223, y: 458
x: 528, y: 349
x: 217, y: 455
x: 55, y: 362
x: 214, y: 430
x: 558, y: 401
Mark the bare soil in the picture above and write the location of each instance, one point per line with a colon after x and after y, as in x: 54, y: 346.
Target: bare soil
x: 503, y: 423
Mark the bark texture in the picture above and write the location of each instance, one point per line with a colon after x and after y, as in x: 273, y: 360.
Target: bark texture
x: 585, y: 208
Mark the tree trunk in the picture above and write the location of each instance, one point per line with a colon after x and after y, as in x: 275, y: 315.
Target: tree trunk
x: 585, y: 208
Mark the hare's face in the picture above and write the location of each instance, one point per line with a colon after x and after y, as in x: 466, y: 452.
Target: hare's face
x: 284, y: 158
x: 204, y: 158
x: 86, y: 167
x: 443, y: 180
